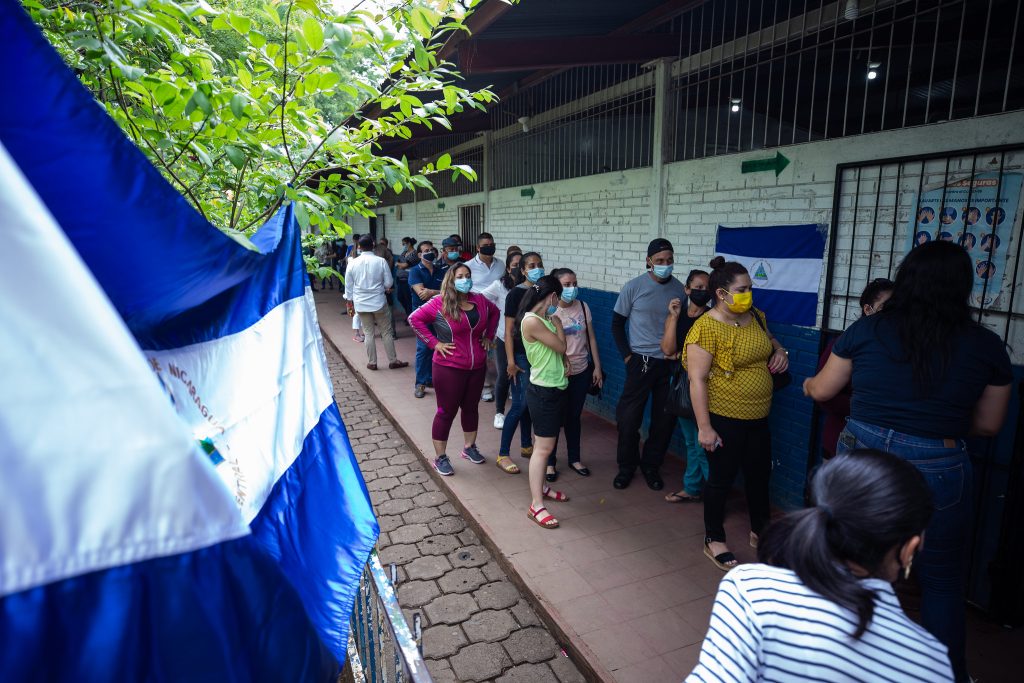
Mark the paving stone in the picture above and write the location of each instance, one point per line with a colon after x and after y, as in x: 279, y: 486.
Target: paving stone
x: 398, y: 553
x: 493, y: 572
x: 497, y: 595
x: 394, y: 507
x: 442, y: 641
x: 490, y: 626
x: 378, y: 497
x: 525, y: 615
x: 565, y: 670
x: 400, y: 471
x: 479, y: 662
x: 470, y: 556
x: 531, y: 645
x: 354, y: 434
x: 406, y: 491
x: 431, y: 567
x: 451, y: 609
x: 466, y: 536
x: 390, y: 522
x: 383, y: 484
x: 438, y: 545
x: 441, y: 671
x: 417, y: 593
x: 421, y: 515
x: 413, y: 477
x: 444, y: 525
x: 373, y: 466
x: 410, y: 533
x: 464, y: 580
x: 528, y: 673
x: 402, y: 458
x: 430, y: 499
x: 429, y: 485
x: 383, y: 540
x: 447, y: 509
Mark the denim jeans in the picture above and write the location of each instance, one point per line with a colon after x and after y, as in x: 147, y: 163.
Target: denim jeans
x: 575, y: 400
x: 518, y: 414
x: 424, y: 362
x: 941, y: 565
x: 696, y: 459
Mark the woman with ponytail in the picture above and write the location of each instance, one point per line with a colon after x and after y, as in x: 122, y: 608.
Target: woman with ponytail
x: 544, y: 341
x: 820, y: 606
x: 925, y: 376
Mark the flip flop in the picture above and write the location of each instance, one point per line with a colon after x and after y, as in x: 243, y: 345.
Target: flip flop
x: 548, y: 522
x: 721, y: 560
x: 551, y: 494
x: 506, y: 464
x: 676, y: 498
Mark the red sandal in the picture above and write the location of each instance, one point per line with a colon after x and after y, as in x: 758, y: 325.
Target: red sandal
x: 551, y: 494
x: 548, y: 521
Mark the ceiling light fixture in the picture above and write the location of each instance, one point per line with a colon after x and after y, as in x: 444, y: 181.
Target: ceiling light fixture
x: 873, y: 70
x: 851, y: 10
x: 735, y: 104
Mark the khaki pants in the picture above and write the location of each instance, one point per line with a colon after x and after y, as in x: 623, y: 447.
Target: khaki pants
x: 372, y: 321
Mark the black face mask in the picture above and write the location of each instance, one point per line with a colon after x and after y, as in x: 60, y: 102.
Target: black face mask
x: 700, y: 297
x: 487, y: 250
x: 429, y: 256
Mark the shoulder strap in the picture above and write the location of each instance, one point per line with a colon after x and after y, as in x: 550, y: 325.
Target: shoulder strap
x: 758, y: 317
x: 586, y: 327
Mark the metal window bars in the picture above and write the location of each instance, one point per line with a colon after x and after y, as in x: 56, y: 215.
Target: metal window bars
x: 382, y: 648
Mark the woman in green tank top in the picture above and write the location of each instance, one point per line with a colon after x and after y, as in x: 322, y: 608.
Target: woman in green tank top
x: 544, y: 341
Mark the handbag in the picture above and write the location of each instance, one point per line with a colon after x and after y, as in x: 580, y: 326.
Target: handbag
x: 780, y: 380
x: 679, y: 403
x: 592, y: 390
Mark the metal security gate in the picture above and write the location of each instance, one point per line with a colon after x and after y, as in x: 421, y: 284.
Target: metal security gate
x: 880, y: 209
x: 471, y: 224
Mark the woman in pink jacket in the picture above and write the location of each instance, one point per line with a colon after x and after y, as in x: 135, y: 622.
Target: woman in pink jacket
x: 459, y: 328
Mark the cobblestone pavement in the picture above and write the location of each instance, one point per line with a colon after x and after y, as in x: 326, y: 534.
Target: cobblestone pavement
x: 477, y: 626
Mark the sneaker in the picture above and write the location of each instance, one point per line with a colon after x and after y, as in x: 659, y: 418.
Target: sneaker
x: 420, y: 392
x: 473, y: 455
x: 488, y: 395
x: 443, y: 466
x: 499, y: 421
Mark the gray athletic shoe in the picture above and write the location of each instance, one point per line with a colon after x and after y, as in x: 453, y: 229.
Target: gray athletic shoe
x: 443, y: 466
x: 473, y: 455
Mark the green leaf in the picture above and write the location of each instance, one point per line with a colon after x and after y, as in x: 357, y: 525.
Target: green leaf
x: 240, y: 23
x: 200, y: 101
x: 443, y: 162
x: 235, y: 155
x: 238, y: 106
x: 329, y: 80
x: 313, y: 33
x: 423, y: 21
x: 201, y: 152
x: 165, y: 93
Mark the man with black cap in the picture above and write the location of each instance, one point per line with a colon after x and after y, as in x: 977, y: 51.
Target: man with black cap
x: 451, y: 251
x: 643, y: 302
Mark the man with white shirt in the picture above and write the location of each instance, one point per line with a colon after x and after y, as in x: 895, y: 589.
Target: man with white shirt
x: 367, y: 282
x: 484, y: 268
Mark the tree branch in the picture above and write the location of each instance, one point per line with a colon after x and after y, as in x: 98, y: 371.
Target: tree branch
x: 238, y: 193
x: 284, y: 88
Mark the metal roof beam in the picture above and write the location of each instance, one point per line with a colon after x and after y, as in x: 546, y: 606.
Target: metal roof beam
x: 493, y: 56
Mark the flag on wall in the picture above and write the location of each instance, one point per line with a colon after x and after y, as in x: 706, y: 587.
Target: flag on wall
x: 785, y: 267
x: 131, y: 332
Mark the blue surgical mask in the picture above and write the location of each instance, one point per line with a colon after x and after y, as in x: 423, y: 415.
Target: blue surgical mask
x: 534, y: 274
x: 662, y: 272
x: 569, y: 294
x: 453, y: 255
x: 464, y: 285
x: 552, y: 310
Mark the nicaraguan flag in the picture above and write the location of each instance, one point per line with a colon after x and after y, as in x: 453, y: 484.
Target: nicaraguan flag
x: 785, y: 266
x: 130, y: 330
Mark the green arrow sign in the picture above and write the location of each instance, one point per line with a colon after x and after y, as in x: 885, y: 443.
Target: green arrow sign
x: 528, y: 192
x: 776, y: 163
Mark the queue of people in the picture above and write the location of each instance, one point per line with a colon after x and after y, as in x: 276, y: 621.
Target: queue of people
x: 900, y: 391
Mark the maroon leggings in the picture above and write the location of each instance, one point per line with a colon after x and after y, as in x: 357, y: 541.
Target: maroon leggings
x: 456, y: 389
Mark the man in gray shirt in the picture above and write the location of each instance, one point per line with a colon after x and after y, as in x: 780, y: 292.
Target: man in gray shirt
x: 643, y: 302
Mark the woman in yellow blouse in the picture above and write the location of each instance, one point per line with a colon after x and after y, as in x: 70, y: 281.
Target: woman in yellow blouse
x: 730, y: 357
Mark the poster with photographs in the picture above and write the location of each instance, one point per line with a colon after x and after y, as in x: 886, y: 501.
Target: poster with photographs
x: 978, y: 213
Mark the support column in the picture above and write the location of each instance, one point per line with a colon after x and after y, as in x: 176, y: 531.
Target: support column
x: 663, y: 119
x: 485, y: 179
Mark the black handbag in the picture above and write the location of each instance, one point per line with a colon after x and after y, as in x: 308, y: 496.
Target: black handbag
x: 592, y: 390
x: 679, y: 403
x: 780, y: 380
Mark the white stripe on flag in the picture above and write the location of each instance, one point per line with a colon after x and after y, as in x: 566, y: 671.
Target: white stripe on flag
x: 782, y: 274
x: 256, y: 394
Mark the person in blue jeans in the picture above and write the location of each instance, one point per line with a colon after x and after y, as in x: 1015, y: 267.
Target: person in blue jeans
x: 677, y: 325
x: 925, y: 376
x: 518, y: 415
x: 425, y: 280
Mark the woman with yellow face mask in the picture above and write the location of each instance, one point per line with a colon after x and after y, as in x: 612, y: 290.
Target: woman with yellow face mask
x: 730, y: 357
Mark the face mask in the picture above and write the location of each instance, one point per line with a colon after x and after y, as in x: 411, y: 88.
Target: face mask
x: 429, y: 256
x: 534, y: 274
x: 487, y: 250
x: 569, y: 294
x: 453, y: 255
x: 662, y: 272
x: 741, y: 302
x: 463, y: 286
x: 552, y: 310
x: 700, y: 297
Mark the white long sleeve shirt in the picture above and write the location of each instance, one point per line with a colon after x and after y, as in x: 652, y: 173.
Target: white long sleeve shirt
x: 366, y: 279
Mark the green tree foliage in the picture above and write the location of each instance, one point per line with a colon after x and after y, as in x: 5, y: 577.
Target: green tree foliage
x: 244, y: 105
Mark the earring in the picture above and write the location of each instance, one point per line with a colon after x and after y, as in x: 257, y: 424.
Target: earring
x: 906, y: 570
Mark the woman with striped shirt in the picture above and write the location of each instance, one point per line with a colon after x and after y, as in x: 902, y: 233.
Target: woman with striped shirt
x: 821, y: 606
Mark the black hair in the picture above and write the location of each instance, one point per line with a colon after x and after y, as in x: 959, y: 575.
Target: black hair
x: 559, y: 272
x: 865, y: 505
x: 512, y: 276
x: 723, y: 273
x: 929, y: 306
x: 694, y: 273
x: 366, y: 242
x: 545, y: 286
x: 875, y: 288
x: 419, y: 247
x: 485, y: 236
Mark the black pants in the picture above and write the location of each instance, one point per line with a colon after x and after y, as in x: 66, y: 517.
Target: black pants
x: 571, y: 424
x: 747, y: 446
x: 501, y: 385
x: 646, y: 377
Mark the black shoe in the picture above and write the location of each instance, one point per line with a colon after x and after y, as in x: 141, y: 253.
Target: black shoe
x: 622, y: 480
x: 551, y: 477
x: 420, y: 391
x: 654, y: 481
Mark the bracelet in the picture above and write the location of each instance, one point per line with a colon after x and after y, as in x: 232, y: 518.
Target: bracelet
x: 783, y: 350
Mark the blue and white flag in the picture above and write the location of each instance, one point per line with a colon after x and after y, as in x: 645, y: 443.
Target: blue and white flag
x: 785, y: 267
x: 130, y: 330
